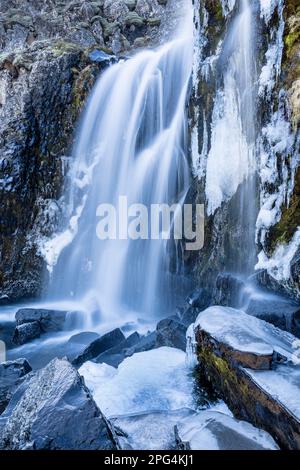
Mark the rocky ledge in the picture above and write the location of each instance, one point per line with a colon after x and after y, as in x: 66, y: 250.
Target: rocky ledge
x: 254, y: 367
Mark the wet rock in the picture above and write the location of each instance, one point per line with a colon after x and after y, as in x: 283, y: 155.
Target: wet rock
x: 49, y: 320
x: 115, y: 355
x: 26, y: 332
x: 227, y: 290
x: 240, y: 356
x: 199, y: 300
x: 146, y: 343
x: 6, y: 333
x: 133, y: 19
x: 54, y: 410
x: 98, y: 346
x: 171, y: 332
x: 279, y: 311
x: 84, y: 338
x: 11, y: 373
x: 101, y: 57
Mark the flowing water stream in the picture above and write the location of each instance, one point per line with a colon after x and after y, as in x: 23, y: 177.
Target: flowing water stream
x: 132, y: 144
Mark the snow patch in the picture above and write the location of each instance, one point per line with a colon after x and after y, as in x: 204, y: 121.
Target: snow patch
x: 155, y: 380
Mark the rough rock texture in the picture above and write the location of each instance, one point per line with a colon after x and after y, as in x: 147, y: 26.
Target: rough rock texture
x: 54, y: 410
x: 171, y: 332
x: 225, y: 249
x: 47, y: 69
x: 11, y: 374
x: 224, y: 367
x: 31, y: 323
x: 98, y: 346
x: 115, y: 355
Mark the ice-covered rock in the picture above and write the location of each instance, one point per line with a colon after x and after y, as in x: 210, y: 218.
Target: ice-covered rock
x: 212, y: 430
x: 54, y: 410
x: 254, y: 366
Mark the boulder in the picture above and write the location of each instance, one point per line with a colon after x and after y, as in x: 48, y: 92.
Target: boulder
x: 228, y: 290
x: 10, y: 374
x: 7, y: 329
x: 26, y: 332
x: 98, y: 346
x: 212, y: 430
x: 171, y: 332
x: 279, y: 311
x: 252, y: 365
x: 146, y: 343
x: 49, y: 320
x: 84, y: 338
x: 115, y: 355
x: 54, y: 410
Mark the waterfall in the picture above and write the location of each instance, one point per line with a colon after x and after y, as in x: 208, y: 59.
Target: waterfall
x: 231, y: 161
x: 132, y: 144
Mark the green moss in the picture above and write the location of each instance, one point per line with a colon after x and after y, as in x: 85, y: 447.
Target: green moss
x: 290, y: 41
x: 285, y: 229
x: 62, y: 47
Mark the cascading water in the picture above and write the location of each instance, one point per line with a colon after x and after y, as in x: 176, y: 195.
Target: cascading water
x: 132, y: 143
x: 231, y: 162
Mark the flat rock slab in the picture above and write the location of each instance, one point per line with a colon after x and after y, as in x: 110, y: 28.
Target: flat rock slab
x: 54, y: 410
x: 237, y: 334
x: 212, y: 430
x: 256, y: 369
x: 99, y: 346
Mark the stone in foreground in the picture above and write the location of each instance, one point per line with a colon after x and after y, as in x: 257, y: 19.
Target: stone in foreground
x: 54, y: 410
x: 239, y: 355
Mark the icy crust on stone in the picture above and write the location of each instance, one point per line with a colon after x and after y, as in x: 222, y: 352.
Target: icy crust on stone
x: 212, y: 430
x: 234, y: 328
x: 227, y: 6
x: 279, y: 264
x: 282, y: 384
x: 267, y: 8
x: 155, y: 380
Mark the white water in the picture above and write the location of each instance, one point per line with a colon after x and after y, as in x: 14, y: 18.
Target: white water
x: 132, y: 142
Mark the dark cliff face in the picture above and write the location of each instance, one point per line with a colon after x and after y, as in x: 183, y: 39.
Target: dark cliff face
x: 277, y: 105
x: 47, y: 69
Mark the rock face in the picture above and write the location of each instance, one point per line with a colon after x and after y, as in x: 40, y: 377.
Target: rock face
x: 278, y: 176
x: 11, y: 374
x: 249, y: 362
x: 54, y: 410
x: 47, y: 69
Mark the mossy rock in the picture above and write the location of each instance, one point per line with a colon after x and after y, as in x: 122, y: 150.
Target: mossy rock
x: 133, y: 19
x: 284, y: 230
x: 154, y: 21
x: 63, y: 47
